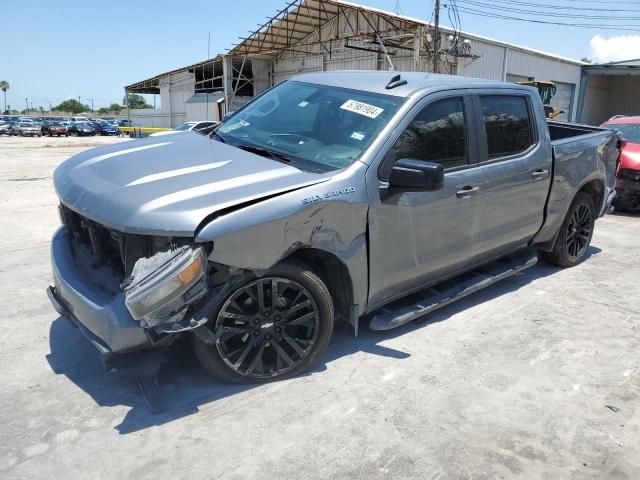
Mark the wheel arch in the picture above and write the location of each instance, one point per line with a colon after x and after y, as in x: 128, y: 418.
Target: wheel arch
x: 595, y: 189
x: 336, y: 276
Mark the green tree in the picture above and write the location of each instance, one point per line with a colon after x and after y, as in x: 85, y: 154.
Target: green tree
x: 4, y: 86
x: 113, y: 108
x: 72, y: 105
x: 136, y: 101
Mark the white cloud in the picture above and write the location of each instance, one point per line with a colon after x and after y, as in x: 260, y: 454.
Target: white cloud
x: 622, y: 47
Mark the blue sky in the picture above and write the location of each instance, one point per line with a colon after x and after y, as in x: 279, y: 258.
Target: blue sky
x: 56, y: 50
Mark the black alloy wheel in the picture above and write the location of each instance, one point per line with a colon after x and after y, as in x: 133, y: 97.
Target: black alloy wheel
x: 579, y: 231
x: 574, y: 237
x: 269, y: 328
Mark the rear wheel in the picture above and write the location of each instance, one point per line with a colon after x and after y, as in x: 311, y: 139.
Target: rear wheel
x: 270, y: 328
x: 575, y: 234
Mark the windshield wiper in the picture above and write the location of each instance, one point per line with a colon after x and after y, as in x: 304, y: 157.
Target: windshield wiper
x: 265, y: 152
x: 218, y: 136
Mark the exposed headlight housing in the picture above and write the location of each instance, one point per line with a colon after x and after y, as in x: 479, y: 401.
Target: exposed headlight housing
x: 161, y: 287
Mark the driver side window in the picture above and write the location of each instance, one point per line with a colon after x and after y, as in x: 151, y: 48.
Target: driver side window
x: 436, y: 134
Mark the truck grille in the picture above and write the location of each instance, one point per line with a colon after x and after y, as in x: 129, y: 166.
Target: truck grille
x: 108, y: 247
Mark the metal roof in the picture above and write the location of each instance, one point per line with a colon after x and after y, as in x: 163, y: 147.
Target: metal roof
x: 624, y: 67
x: 300, y: 19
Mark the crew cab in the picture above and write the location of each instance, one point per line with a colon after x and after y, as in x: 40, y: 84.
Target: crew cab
x: 332, y: 197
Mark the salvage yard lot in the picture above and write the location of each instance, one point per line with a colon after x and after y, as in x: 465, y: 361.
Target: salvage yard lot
x: 536, y: 377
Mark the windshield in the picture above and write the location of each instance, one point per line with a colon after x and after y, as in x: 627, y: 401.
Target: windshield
x: 318, y: 127
x: 629, y: 132
x: 183, y: 126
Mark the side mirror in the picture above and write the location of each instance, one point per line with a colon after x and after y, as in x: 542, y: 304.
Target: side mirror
x: 411, y: 175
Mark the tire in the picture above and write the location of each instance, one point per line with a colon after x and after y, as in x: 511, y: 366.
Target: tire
x: 267, y: 345
x: 572, y: 244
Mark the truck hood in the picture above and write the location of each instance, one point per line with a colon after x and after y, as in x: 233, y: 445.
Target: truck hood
x: 167, y: 186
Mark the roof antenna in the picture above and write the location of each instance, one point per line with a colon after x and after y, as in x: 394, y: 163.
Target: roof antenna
x: 395, y: 82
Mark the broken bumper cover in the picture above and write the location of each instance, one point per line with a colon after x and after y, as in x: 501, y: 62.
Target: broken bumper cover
x: 102, y: 317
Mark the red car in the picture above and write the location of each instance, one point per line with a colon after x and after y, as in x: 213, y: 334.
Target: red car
x: 628, y: 181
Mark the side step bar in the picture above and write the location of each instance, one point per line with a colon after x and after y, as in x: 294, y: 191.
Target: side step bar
x: 427, y: 301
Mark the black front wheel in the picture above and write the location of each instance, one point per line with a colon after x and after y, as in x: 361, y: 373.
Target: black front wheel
x: 575, y: 234
x: 270, y: 328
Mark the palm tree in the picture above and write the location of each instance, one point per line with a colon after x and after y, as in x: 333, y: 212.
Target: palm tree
x: 4, y: 85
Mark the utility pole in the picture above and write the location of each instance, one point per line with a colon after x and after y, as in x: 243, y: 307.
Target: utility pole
x: 26, y: 101
x: 436, y: 37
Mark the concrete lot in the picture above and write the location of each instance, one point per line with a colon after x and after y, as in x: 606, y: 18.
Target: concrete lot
x: 537, y: 377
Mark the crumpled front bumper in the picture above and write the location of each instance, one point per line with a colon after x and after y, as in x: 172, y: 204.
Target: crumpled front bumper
x: 101, y: 316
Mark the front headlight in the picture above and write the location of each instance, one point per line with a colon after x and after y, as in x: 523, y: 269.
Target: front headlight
x: 162, y: 286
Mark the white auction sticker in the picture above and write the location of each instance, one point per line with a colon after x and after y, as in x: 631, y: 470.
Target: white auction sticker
x: 365, y: 109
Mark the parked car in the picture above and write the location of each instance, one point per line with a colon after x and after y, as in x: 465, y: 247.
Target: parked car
x: 125, y: 123
x: 27, y: 129
x: 106, y: 128
x: 79, y: 119
x: 628, y: 177
x: 81, y: 129
x: 13, y: 128
x: 5, y: 129
x: 200, y: 127
x: 331, y: 197
x: 52, y: 127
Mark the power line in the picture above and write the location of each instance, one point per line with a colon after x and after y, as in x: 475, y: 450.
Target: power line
x: 564, y: 7
x: 545, y: 14
x: 593, y: 26
x: 622, y: 2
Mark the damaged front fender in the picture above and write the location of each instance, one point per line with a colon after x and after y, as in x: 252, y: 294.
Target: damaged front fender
x: 330, y: 217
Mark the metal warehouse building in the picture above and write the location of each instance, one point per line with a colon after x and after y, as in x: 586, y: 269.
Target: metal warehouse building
x: 324, y: 35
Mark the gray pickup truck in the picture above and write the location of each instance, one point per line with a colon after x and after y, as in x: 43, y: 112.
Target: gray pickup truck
x: 331, y: 197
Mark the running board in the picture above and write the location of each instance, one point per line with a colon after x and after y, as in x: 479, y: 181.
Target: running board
x: 422, y: 303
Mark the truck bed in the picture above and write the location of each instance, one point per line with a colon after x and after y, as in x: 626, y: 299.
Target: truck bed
x: 562, y: 130
x: 580, y: 153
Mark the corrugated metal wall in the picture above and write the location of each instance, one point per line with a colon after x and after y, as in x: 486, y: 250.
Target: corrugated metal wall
x: 624, y: 95
x: 609, y: 95
x: 498, y: 62
x: 596, y: 100
x: 489, y: 65
x: 199, y: 111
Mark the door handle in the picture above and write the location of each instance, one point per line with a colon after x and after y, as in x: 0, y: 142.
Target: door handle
x: 467, y: 191
x: 540, y: 173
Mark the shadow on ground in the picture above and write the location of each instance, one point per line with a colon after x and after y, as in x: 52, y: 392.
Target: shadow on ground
x: 184, y: 385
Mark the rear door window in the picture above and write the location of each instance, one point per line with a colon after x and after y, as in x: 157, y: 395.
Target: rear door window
x: 436, y: 134
x: 507, y: 125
